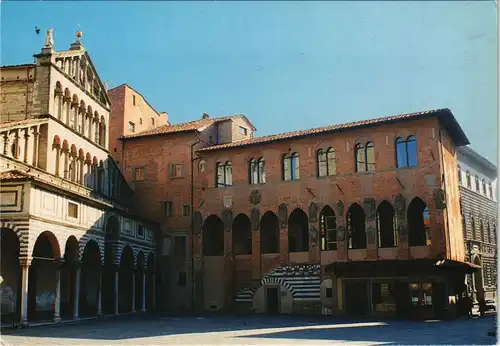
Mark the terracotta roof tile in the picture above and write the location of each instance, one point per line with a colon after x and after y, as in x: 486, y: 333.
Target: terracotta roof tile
x: 18, y: 66
x: 14, y: 175
x: 178, y: 128
x: 332, y: 128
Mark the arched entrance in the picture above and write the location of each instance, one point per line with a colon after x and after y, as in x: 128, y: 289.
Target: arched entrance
x: 478, y: 280
x: 125, y: 282
x: 89, y: 280
x: 10, y: 272
x: 68, y: 278
x: 42, y: 282
x: 139, y: 276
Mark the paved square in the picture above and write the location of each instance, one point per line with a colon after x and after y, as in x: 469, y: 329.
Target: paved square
x: 256, y: 330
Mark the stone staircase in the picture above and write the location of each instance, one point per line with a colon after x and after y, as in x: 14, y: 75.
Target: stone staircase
x: 302, y: 280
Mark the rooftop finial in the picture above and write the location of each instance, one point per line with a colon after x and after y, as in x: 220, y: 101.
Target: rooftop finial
x: 79, y: 35
x: 49, y: 41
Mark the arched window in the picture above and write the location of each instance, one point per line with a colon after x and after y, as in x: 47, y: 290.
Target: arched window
x: 257, y: 173
x: 459, y: 175
x: 326, y: 162
x: 418, y: 223
x: 224, y: 174
x: 328, y: 229
x: 406, y: 152
x: 365, y: 157
x: 488, y: 233
x: 481, y: 230
x: 485, y: 191
x: 477, y: 183
x: 491, y: 190
x: 291, y: 166
x: 356, y: 227
x: 467, y: 177
x: 387, y: 227
x: 473, y: 226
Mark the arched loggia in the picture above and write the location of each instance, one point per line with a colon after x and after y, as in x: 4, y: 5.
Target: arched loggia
x: 150, y: 281
x: 111, y: 236
x: 42, y: 281
x: 10, y: 271
x: 126, y: 280
x: 68, y: 278
x: 89, y: 281
x: 139, y: 284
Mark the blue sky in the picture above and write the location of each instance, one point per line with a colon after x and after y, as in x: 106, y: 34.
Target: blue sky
x: 286, y: 65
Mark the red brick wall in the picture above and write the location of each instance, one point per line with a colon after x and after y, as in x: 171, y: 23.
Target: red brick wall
x: 345, y: 186
x: 117, y: 97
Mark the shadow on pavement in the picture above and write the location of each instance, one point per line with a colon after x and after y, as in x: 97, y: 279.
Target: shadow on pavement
x: 473, y: 331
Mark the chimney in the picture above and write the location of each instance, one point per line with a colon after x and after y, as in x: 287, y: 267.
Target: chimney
x: 205, y: 116
x: 164, y: 114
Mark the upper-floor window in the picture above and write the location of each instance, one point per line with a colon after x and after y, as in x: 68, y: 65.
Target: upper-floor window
x: 257, y: 174
x: 467, y: 177
x: 365, y: 157
x: 167, y: 209
x: 131, y: 126
x: 243, y: 131
x: 406, y: 152
x: 478, y: 189
x: 459, y: 175
x: 291, y: 166
x: 140, y: 231
x: 139, y: 174
x: 491, y: 190
x: 485, y: 191
x: 153, y: 121
x: 175, y: 170
x: 224, y: 174
x: 326, y: 162
x: 140, y: 121
x: 73, y: 210
x: 133, y: 100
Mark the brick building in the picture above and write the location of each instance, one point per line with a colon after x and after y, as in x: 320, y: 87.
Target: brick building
x: 477, y: 178
x: 131, y: 114
x: 359, y: 218
x: 71, y: 244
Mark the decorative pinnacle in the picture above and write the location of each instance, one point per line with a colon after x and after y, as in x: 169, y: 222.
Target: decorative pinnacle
x: 79, y: 35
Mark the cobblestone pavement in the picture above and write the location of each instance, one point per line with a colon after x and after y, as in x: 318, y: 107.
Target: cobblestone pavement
x: 263, y: 330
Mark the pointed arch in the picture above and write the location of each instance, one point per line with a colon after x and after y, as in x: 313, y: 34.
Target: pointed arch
x: 269, y: 233
x: 387, y: 228
x: 213, y: 236
x: 328, y: 229
x: 356, y: 227
x: 298, y: 231
x: 418, y: 223
x: 242, y: 235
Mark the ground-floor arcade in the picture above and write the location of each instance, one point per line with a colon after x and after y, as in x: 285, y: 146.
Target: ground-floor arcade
x: 44, y: 281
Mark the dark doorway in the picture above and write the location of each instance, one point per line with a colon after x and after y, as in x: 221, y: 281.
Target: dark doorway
x: 356, y: 299
x: 272, y: 300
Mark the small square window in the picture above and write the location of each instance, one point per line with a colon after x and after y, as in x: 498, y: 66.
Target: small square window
x: 114, y: 149
x: 140, y: 231
x: 73, y: 210
x: 210, y: 140
x: 186, y: 210
x: 175, y: 170
x: 329, y: 292
x: 139, y: 174
x: 167, y: 209
x: 243, y: 131
x: 181, y: 279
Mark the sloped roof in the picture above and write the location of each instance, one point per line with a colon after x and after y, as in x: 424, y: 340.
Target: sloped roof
x: 184, y: 127
x: 18, y: 66
x: 445, y: 115
x: 14, y: 175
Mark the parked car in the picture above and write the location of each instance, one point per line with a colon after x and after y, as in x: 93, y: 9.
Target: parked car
x: 491, y: 305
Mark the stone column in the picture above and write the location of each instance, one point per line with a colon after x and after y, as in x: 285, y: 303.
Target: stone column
x: 154, y: 291
x: 6, y: 143
x: 99, y: 293
x: 143, y: 309
x: 57, y: 300
x: 81, y: 164
x: 24, y: 294
x: 133, y: 291
x: 58, y: 161
x: 116, y: 291
x: 36, y: 138
x: 26, y: 145
x: 77, y: 294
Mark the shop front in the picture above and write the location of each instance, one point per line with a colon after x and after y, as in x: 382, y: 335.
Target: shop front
x: 399, y: 289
